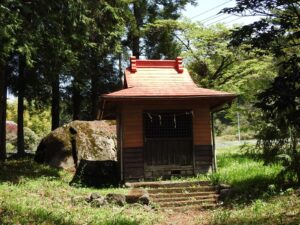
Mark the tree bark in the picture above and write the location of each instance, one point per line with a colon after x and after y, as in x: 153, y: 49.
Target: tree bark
x: 94, y: 97
x: 76, y: 100
x: 3, y: 96
x: 55, y: 109
x: 21, y: 89
x: 136, y: 47
x: 137, y: 11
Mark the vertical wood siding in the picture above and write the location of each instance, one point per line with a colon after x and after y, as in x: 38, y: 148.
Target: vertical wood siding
x: 132, y: 117
x: 201, y: 126
x: 133, y: 137
x: 132, y: 126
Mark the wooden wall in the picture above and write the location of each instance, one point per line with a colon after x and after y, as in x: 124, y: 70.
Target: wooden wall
x: 132, y: 133
x: 201, y: 126
x: 132, y: 118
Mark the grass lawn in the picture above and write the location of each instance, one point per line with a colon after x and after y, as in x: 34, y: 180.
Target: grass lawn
x: 35, y: 194
x: 260, y: 195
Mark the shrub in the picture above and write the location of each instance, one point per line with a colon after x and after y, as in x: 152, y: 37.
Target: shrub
x: 30, y: 139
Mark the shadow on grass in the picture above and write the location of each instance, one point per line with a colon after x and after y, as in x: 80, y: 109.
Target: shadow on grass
x: 41, y: 216
x: 277, y: 218
x: 14, y: 170
x: 249, y: 178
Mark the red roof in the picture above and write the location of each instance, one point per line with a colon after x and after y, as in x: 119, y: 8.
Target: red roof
x: 161, y: 79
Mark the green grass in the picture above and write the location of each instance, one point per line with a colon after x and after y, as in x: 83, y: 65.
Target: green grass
x: 283, y: 208
x: 258, y: 195
x: 35, y: 194
x: 249, y: 177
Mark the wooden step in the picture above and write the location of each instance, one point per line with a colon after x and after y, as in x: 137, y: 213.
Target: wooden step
x: 201, y: 203
x: 166, y: 184
x: 185, y: 198
x: 190, y: 208
x: 175, y: 195
x: 182, y: 190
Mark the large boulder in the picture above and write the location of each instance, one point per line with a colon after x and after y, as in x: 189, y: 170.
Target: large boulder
x: 68, y: 145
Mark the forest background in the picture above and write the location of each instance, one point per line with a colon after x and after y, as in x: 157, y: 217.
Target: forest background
x: 58, y: 57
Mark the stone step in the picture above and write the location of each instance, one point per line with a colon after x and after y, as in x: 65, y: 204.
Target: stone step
x: 166, y: 184
x: 175, y: 195
x: 182, y: 190
x: 200, y: 203
x: 186, y: 198
x: 190, y: 207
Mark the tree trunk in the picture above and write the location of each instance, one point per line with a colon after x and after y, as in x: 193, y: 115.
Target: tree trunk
x: 76, y: 100
x: 21, y: 88
x: 136, y: 47
x: 55, y: 101
x: 3, y: 96
x: 296, y: 154
x: 137, y: 11
x: 94, y: 97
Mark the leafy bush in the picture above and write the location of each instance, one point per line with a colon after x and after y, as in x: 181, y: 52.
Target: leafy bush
x: 30, y: 139
x: 11, y: 134
x: 10, y: 147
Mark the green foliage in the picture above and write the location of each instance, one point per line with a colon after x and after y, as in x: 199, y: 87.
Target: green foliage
x: 30, y: 139
x: 278, y: 34
x: 154, y: 43
x: 279, y: 135
x: 37, y: 120
x: 213, y: 64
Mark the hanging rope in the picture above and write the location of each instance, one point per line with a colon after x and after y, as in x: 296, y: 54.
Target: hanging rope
x: 174, y: 121
x: 150, y: 117
x: 159, y: 116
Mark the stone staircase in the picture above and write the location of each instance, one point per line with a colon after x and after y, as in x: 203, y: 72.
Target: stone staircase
x: 180, y: 195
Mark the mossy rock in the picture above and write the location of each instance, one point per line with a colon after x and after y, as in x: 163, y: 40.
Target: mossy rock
x: 66, y: 146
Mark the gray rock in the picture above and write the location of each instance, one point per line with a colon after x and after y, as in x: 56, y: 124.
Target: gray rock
x: 134, y: 195
x: 66, y: 146
x: 99, y: 202
x: 225, y: 193
x: 94, y: 196
x: 224, y: 186
x: 117, y: 199
x: 147, y: 208
x: 78, y: 200
x: 144, y: 199
x: 87, y: 147
x: 137, y: 205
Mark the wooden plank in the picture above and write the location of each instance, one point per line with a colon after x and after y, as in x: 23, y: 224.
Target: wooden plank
x: 133, y: 163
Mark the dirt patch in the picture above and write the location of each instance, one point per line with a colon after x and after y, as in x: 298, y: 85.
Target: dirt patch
x: 189, y: 217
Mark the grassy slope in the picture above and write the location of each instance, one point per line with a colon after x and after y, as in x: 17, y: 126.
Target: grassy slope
x: 35, y: 194
x: 258, y: 197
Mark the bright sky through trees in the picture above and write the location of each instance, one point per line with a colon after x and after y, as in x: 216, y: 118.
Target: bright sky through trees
x: 207, y: 12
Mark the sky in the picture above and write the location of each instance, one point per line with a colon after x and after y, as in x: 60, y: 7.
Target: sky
x: 206, y: 12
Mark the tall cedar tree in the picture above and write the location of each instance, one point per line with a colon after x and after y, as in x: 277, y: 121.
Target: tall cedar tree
x: 153, y: 45
x: 105, y: 29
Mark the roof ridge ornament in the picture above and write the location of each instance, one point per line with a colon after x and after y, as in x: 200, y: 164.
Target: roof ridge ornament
x: 176, y: 64
x: 179, y: 66
x: 133, y: 64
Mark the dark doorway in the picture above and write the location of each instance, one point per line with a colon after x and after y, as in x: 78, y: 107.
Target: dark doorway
x: 168, y: 138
